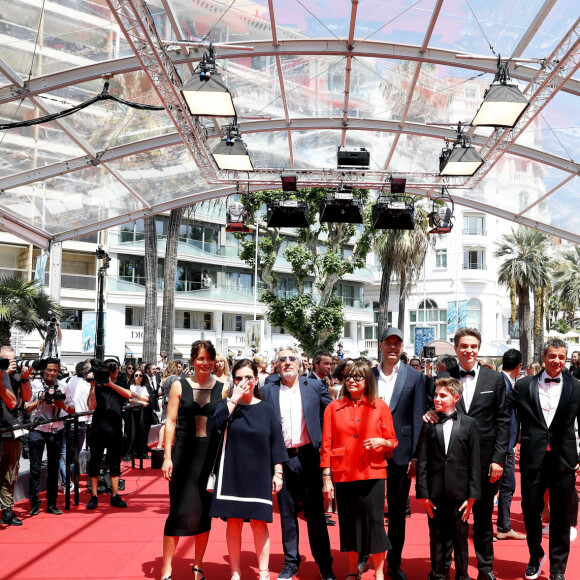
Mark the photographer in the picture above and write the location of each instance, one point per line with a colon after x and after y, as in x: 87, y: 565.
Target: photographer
x: 17, y: 381
x: 53, y: 340
x: 107, y: 395
x: 50, y: 399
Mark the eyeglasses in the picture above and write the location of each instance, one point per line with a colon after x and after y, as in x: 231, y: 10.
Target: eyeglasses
x: 137, y: 376
x: 240, y: 379
x: 130, y: 368
x: 355, y: 378
x: 290, y: 358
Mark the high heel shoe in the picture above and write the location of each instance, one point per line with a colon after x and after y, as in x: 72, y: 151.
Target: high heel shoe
x: 196, y: 570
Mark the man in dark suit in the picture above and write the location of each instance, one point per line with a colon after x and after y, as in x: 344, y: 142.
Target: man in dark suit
x: 322, y: 363
x: 403, y: 389
x: 511, y: 366
x: 300, y: 404
x: 547, y: 405
x: 484, y: 399
x: 448, y: 478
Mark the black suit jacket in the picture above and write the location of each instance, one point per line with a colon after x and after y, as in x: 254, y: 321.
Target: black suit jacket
x: 489, y: 408
x: 407, y: 407
x: 314, y: 397
x: 455, y: 474
x: 272, y: 378
x: 514, y: 423
x: 537, y: 437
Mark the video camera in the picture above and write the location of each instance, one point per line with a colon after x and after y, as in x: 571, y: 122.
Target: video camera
x: 52, y: 394
x: 99, y: 372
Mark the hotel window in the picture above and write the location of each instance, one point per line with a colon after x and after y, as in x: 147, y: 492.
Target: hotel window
x: 441, y: 259
x: 474, y: 260
x: 473, y: 225
x: 429, y: 314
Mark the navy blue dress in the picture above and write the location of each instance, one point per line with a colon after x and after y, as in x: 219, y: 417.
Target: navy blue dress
x: 253, y: 445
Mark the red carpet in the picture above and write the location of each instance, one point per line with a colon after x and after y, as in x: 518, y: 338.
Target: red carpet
x: 111, y: 543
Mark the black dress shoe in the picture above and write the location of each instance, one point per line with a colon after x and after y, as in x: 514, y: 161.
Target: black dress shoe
x: 330, y: 521
x: 534, y: 568
x: 326, y: 573
x: 396, y: 573
x: 486, y: 576
x: 10, y: 518
x: 52, y: 509
x: 35, y: 511
x: 557, y: 577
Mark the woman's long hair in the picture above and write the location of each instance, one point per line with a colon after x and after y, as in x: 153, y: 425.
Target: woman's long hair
x: 170, y: 369
x: 359, y: 367
x: 221, y: 357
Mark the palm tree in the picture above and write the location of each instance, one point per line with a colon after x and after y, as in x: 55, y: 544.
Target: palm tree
x: 25, y: 306
x: 526, y: 266
x: 150, y: 318
x: 567, y: 281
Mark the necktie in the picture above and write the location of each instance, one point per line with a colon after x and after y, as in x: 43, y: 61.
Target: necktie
x: 443, y: 417
x: 465, y: 373
x: 550, y: 380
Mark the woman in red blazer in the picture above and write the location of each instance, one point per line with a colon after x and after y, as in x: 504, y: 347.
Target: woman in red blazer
x: 357, y: 438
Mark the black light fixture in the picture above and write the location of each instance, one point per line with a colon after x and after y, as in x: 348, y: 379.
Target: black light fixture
x: 461, y: 158
x: 237, y: 218
x: 353, y: 157
x: 398, y: 184
x: 205, y: 92
x: 289, y: 182
x: 440, y: 219
x: 503, y: 103
x: 231, y: 153
x: 394, y: 212
x: 288, y: 213
x: 342, y: 206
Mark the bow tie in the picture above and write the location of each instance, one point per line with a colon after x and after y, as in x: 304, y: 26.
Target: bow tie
x: 465, y: 373
x: 550, y: 380
x: 443, y: 417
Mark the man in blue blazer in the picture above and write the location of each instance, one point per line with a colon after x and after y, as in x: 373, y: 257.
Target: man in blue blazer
x: 300, y: 404
x: 403, y: 389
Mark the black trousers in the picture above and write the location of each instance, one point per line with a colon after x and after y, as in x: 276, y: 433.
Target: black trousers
x: 37, y: 440
x: 446, y: 527
x: 562, y: 505
x: 507, y: 488
x: 303, y: 484
x: 398, y: 486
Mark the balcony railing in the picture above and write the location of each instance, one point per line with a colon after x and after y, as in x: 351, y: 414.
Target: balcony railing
x: 474, y: 232
x: 474, y: 266
x: 78, y: 282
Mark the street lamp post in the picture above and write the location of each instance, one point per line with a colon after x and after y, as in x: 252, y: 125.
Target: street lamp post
x: 100, y: 330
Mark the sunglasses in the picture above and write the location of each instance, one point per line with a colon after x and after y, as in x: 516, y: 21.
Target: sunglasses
x: 137, y: 376
x: 290, y: 358
x: 355, y: 378
x: 130, y: 368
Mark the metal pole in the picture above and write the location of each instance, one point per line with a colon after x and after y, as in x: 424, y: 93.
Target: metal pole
x: 256, y: 275
x: 100, y: 330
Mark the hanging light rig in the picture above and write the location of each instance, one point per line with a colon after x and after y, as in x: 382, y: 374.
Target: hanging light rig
x: 441, y: 216
x: 231, y: 153
x: 461, y: 158
x: 503, y: 103
x: 205, y: 92
x: 237, y: 218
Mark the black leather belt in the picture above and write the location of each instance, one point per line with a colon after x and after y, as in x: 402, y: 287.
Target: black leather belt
x: 294, y: 451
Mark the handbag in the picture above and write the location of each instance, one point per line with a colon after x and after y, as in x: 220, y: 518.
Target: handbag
x: 210, y: 487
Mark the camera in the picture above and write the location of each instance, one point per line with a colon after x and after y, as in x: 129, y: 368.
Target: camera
x: 4, y: 364
x: 52, y: 394
x: 36, y: 364
x: 99, y: 373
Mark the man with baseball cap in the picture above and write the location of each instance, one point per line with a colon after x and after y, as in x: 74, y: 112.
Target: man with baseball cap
x: 403, y: 389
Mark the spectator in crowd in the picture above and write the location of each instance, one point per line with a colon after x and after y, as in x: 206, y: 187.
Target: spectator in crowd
x: 162, y: 360
x: 575, y: 365
x: 129, y: 371
x: 445, y: 362
x: 357, y: 438
x: 221, y: 373
x: 262, y: 364
x: 448, y: 478
x: 306, y: 369
x: 50, y: 399
x: 415, y: 363
x: 322, y: 362
x: 533, y: 369
x: 339, y: 351
x: 250, y: 468
x: 79, y: 390
x: 511, y: 366
x: 485, y: 361
x: 170, y: 375
x: 300, y: 404
x: 106, y: 431
x: 154, y: 384
x: 484, y: 399
x: 187, y: 464
x: 18, y: 383
x: 548, y: 406
x: 138, y: 420
x: 403, y: 389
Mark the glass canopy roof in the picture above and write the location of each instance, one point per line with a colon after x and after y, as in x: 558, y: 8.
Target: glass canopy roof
x: 395, y: 77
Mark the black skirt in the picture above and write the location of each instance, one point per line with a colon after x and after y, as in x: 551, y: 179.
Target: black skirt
x: 361, y: 506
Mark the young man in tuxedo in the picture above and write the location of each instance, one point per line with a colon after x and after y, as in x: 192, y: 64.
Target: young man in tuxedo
x: 448, y: 478
x: 484, y: 399
x: 547, y: 405
x: 403, y: 389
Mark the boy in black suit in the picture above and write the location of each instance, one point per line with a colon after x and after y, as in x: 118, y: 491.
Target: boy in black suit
x: 448, y: 477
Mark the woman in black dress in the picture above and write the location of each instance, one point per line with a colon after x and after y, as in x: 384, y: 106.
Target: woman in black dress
x: 191, y: 403
x: 250, y: 466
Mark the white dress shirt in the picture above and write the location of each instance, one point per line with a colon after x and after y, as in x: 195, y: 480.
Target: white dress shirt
x: 549, y: 396
x: 79, y: 391
x: 293, y: 422
x: 386, y: 385
x: 50, y: 411
x: 447, y: 428
x: 469, y: 383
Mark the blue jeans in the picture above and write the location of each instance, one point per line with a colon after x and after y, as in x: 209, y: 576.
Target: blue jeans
x: 79, y: 445
x: 36, y: 442
x: 507, y: 487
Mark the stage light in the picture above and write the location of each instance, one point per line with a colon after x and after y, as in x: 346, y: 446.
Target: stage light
x: 343, y: 207
x: 353, y: 157
x: 440, y: 218
x: 461, y: 159
x: 288, y: 213
x: 398, y: 184
x: 205, y: 92
x: 503, y: 103
x: 231, y: 152
x: 289, y: 181
x: 237, y: 219
x: 393, y: 212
